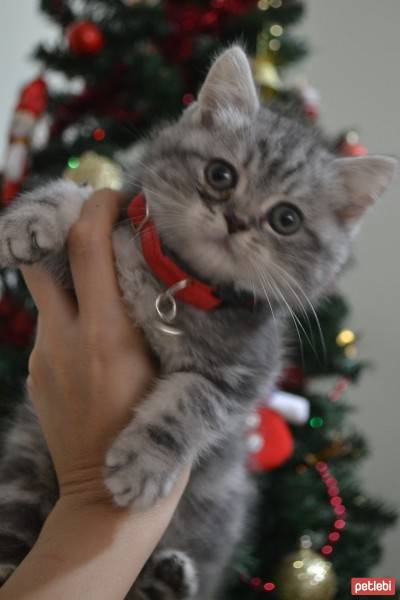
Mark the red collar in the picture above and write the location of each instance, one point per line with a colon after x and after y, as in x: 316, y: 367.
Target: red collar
x: 198, y: 294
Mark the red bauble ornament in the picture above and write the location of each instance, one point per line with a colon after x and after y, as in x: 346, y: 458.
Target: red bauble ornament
x: 85, y: 38
x: 357, y: 149
x: 276, y: 443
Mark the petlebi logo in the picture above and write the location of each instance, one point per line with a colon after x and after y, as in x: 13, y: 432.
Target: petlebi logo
x: 373, y: 586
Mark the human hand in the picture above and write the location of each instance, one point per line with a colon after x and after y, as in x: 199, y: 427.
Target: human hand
x: 88, y: 369
x: 89, y: 366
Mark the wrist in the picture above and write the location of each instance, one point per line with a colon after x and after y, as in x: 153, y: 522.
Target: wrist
x: 85, y: 539
x: 83, y: 485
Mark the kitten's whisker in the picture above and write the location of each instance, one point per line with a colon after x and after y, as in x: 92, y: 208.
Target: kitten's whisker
x: 314, y: 312
x: 297, y: 323
x: 310, y: 341
x: 262, y: 283
x: 297, y: 297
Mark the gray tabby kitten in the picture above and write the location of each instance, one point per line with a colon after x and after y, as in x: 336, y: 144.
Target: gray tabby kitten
x: 251, y: 203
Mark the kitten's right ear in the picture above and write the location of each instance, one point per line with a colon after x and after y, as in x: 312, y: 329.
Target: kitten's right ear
x: 229, y: 84
x: 366, y: 179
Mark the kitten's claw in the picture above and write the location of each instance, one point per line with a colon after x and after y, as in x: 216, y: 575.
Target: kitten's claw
x: 136, y: 476
x: 26, y: 237
x: 176, y: 570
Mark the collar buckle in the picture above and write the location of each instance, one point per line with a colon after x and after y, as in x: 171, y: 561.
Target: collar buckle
x: 167, y: 308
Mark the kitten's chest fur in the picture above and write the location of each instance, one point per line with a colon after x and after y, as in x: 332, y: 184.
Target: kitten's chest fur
x: 228, y: 339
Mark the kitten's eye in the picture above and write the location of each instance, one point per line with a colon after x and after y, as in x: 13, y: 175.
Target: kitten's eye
x: 285, y: 219
x: 221, y: 176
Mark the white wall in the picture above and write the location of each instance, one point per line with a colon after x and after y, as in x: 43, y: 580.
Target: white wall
x: 21, y: 28
x: 355, y: 64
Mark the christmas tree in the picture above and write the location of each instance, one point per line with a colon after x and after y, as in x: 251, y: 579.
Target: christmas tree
x: 129, y: 64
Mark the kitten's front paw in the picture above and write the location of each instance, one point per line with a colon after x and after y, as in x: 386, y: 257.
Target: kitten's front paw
x: 27, y: 236
x: 38, y: 222
x: 176, y: 570
x: 135, y: 474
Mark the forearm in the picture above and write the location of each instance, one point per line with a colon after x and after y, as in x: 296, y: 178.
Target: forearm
x: 90, y: 550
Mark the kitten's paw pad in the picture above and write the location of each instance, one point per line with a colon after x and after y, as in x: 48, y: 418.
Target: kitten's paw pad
x: 134, y: 475
x: 176, y: 570
x: 5, y: 572
x: 26, y: 236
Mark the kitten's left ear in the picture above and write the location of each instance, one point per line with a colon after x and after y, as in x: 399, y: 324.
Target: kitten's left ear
x: 229, y: 84
x: 366, y: 179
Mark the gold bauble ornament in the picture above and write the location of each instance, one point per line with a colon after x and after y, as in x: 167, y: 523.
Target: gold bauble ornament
x: 266, y: 75
x: 98, y: 171
x: 306, y: 575
x: 265, y: 72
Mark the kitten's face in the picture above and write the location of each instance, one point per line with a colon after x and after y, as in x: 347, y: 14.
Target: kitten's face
x: 251, y: 199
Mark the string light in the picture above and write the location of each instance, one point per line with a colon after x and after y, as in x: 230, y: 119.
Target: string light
x: 210, y: 18
x: 269, y: 587
x: 263, y: 4
x: 333, y: 536
x: 301, y: 469
x: 73, y: 162
x: 311, y: 458
x: 336, y: 502
x: 276, y: 30
x: 316, y: 422
x: 258, y: 584
x: 351, y: 351
x: 99, y: 134
x: 274, y: 45
x: 345, y: 338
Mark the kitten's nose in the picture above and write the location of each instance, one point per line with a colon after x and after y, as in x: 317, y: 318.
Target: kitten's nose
x: 235, y: 223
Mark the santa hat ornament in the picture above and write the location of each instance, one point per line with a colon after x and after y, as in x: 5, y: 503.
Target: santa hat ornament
x: 30, y: 107
x: 270, y: 439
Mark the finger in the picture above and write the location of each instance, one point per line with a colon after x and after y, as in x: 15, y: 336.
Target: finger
x: 54, y: 303
x: 91, y: 253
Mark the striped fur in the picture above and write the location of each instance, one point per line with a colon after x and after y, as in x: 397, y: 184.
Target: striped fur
x: 211, y: 376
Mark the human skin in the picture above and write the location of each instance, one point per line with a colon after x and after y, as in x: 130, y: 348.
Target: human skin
x: 88, y: 369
